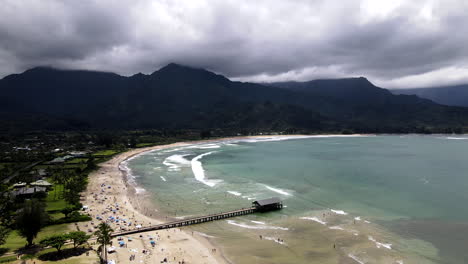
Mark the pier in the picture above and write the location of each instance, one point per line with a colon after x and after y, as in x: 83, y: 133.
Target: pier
x: 257, y: 206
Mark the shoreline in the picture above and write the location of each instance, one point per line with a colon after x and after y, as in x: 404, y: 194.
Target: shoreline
x: 179, y: 245
x: 172, y: 244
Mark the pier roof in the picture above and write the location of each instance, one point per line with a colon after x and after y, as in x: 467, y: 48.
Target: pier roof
x: 273, y: 200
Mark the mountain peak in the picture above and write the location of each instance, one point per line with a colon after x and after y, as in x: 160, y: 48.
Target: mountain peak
x: 175, y: 71
x: 176, y: 67
x: 41, y: 69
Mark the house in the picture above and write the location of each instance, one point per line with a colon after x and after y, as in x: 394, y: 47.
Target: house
x: 29, y: 192
x: 269, y: 204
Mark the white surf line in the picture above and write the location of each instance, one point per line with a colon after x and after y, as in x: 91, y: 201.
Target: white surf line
x: 235, y: 193
x: 232, y: 222
x: 379, y: 244
x: 198, y: 170
x: 203, y: 234
x: 340, y: 212
x: 276, y: 190
x: 162, y: 178
x: 315, y: 219
x: 258, y: 222
x: 336, y: 228
x: 175, y: 162
x: 457, y: 138
x: 356, y: 259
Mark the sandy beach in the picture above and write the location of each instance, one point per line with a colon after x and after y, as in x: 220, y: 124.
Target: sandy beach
x: 108, y: 195
x: 110, y: 198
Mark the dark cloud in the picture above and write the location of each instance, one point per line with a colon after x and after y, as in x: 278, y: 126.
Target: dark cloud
x: 394, y: 43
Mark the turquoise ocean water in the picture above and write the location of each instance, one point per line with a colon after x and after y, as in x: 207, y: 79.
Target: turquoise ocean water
x: 367, y: 199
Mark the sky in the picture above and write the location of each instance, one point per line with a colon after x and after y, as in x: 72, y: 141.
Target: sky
x: 393, y: 43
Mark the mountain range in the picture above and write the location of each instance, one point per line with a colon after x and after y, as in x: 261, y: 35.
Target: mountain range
x: 456, y: 95
x: 181, y: 97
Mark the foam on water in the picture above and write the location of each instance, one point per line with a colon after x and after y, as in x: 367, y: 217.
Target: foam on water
x: 204, y: 146
x: 199, y: 172
x: 123, y: 166
x: 175, y: 162
x: 336, y: 228
x: 139, y: 190
x: 210, y: 146
x: 379, y: 244
x: 274, y: 240
x: 203, y: 234
x: 162, y: 178
x: 340, y: 212
x: 277, y: 190
x: 281, y: 138
x: 315, y: 219
x: 258, y: 222
x: 183, y: 216
x: 235, y: 193
x: 356, y: 259
x: 244, y: 225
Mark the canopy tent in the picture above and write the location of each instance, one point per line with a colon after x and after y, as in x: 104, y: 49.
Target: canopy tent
x: 110, y: 249
x: 41, y: 183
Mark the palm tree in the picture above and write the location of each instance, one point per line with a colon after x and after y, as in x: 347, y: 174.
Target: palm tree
x: 103, y: 234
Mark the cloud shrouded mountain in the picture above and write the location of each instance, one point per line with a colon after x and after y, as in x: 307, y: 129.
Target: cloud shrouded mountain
x: 394, y: 43
x: 456, y: 95
x: 183, y: 97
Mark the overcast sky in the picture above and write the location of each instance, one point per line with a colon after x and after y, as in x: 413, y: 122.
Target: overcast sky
x: 394, y: 43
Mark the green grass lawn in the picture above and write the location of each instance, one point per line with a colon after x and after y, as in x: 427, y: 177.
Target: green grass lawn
x: 76, y: 160
x: 54, y: 200
x: 141, y: 145
x: 56, y: 216
x: 15, y: 241
x: 107, y: 152
x: 7, y: 259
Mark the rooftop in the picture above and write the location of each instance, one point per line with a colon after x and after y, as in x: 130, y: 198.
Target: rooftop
x: 273, y: 200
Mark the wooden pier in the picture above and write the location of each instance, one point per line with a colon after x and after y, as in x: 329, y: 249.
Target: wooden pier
x: 258, y: 206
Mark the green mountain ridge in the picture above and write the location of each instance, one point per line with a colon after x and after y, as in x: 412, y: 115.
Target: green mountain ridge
x: 455, y: 95
x: 180, y: 97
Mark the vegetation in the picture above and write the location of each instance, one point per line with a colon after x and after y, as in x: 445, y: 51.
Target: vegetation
x: 16, y: 242
x: 103, y: 235
x: 30, y: 219
x: 56, y: 241
x: 3, y: 234
x: 201, y: 100
x: 78, y: 238
x: 68, y: 210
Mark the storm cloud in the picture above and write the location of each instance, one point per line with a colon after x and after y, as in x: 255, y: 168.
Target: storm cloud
x: 396, y: 43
